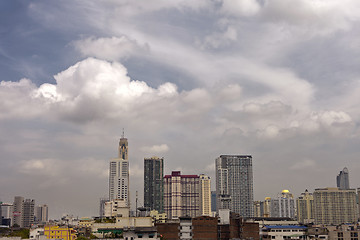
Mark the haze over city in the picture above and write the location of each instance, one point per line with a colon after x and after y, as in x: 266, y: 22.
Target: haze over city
x: 186, y: 80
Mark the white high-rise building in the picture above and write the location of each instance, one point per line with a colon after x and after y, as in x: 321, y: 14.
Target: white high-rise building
x: 119, y: 173
x: 283, y: 205
x: 234, y: 184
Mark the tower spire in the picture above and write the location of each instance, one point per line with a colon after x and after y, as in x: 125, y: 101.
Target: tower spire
x: 123, y: 133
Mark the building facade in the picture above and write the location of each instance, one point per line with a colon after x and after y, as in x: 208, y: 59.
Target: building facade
x: 335, y: 206
x: 305, y: 207
x: 119, y: 173
x: 205, y: 195
x: 181, y: 195
x: 154, y: 183
x: 342, y: 179
x: 6, y: 214
x: 41, y: 213
x: 283, y: 206
x: 234, y: 184
x: 28, y: 213
x: 18, y: 211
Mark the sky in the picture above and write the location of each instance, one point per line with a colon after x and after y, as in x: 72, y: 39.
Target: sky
x: 187, y: 81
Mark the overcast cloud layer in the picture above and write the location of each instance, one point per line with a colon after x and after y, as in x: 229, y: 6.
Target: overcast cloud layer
x: 188, y: 81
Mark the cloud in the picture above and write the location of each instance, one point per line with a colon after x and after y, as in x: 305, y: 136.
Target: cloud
x: 58, y: 167
x: 162, y: 148
x: 240, y: 7
x: 321, y: 17
x: 305, y: 164
x: 111, y: 49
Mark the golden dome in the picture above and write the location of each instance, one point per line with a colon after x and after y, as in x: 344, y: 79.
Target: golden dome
x: 285, y: 191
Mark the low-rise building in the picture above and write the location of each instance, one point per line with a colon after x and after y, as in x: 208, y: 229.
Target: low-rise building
x: 56, y: 232
x: 140, y: 233
x: 278, y: 232
x: 158, y: 217
x: 344, y: 232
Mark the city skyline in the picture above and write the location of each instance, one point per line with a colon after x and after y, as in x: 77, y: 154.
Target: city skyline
x: 188, y: 81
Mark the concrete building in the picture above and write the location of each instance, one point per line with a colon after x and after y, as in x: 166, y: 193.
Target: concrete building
x: 158, y: 217
x: 102, y: 206
x: 284, y: 205
x: 56, y: 232
x: 213, y: 201
x: 266, y: 207
x: 41, y: 213
x: 257, y: 209
x: 205, y: 195
x: 335, y: 206
x: 18, y: 211
x: 279, y: 232
x: 181, y: 195
x: 119, y: 173
x: 305, y: 207
x: 154, y: 183
x: 344, y: 232
x: 144, y: 233
x: 186, y: 230
x: 342, y: 179
x: 28, y: 212
x: 116, y: 208
x: 103, y: 230
x: 234, y: 184
x: 6, y: 214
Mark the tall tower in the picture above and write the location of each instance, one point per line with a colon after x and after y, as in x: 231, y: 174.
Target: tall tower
x: 28, y: 213
x: 305, y: 207
x: 18, y: 211
x: 123, y: 148
x: 119, y: 173
x: 181, y: 195
x: 154, y: 183
x: 342, y: 180
x: 234, y: 184
x: 283, y: 205
x: 205, y: 195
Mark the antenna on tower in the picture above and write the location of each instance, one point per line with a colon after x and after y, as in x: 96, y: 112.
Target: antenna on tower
x: 123, y: 134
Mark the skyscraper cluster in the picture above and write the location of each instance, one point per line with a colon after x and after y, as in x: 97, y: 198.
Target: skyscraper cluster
x: 330, y: 206
x: 179, y: 195
x: 22, y: 212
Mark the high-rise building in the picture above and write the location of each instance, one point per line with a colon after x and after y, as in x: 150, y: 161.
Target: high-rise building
x: 257, y: 209
x: 234, y: 184
x: 181, y: 195
x: 342, y: 179
x: 7, y: 213
x: 154, y: 183
x: 305, y: 207
x: 284, y: 205
x: 41, y: 213
x: 334, y: 206
x: 213, y: 201
x: 28, y: 212
x: 205, y: 195
x: 266, y: 207
x: 119, y: 173
x: 18, y: 211
x: 102, y: 206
